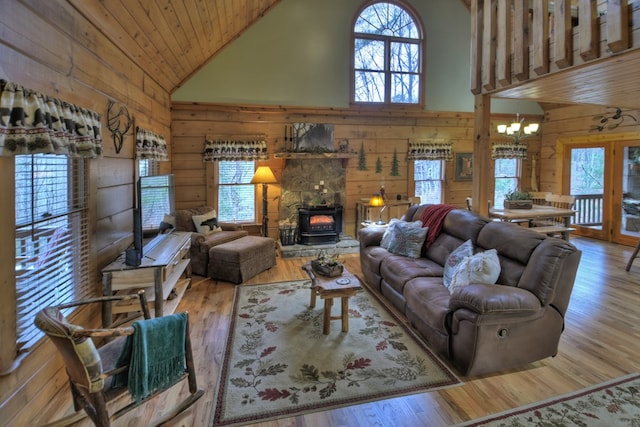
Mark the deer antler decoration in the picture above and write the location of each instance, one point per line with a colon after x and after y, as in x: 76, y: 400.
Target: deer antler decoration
x: 118, y: 123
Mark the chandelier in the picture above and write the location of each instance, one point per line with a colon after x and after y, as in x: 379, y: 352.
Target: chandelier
x: 516, y: 130
x: 515, y: 149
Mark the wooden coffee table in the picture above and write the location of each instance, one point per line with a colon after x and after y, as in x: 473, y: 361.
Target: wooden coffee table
x: 328, y: 288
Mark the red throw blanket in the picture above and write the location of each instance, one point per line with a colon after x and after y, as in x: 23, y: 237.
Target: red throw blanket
x: 433, y: 217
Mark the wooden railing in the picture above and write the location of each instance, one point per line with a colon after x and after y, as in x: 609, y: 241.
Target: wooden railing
x: 588, y: 209
x: 514, y: 41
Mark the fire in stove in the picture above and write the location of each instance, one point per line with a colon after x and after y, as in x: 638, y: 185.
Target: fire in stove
x: 321, y: 223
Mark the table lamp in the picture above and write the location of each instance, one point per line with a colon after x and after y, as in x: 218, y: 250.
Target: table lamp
x: 378, y: 201
x: 264, y: 176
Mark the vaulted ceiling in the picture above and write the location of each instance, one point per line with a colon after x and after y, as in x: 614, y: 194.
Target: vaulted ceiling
x: 173, y: 39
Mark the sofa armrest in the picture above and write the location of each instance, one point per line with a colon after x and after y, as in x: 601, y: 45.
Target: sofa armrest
x: 489, y: 299
x: 197, y: 240
x: 370, y: 236
x: 230, y: 226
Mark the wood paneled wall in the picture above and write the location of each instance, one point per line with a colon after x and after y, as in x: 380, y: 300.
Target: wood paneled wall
x: 51, y: 48
x: 380, y: 133
x: 578, y: 121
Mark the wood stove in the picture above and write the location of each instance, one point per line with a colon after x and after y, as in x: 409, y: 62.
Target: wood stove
x: 319, y: 224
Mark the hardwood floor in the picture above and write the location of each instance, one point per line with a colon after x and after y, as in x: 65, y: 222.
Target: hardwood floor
x: 601, y: 341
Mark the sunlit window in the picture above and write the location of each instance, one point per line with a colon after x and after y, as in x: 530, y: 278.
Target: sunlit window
x: 387, y: 55
x: 507, y: 179
x: 428, y: 177
x: 236, y: 194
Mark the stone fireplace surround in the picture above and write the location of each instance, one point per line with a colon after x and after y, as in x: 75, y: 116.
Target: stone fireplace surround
x: 299, y: 177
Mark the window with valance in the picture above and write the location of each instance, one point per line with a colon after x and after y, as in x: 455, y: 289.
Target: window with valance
x: 48, y: 139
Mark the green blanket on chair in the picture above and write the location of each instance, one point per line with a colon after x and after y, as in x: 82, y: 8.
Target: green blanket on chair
x: 155, y: 353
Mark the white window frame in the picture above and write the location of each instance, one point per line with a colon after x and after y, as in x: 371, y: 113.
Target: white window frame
x: 247, y: 213
x: 436, y: 180
x: 500, y: 190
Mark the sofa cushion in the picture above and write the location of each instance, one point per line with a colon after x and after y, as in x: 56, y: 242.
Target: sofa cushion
x: 461, y: 252
x: 406, y: 238
x: 483, y: 267
x: 397, y: 270
x: 427, y: 298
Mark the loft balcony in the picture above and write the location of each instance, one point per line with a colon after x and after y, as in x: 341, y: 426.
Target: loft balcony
x: 562, y: 51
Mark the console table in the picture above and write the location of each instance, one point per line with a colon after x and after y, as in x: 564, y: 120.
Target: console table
x: 394, y: 209
x: 165, y: 259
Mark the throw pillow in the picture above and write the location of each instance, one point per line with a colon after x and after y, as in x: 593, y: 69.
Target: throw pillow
x: 454, y: 258
x: 407, y: 238
x: 206, y: 223
x: 483, y: 267
x: 386, y: 237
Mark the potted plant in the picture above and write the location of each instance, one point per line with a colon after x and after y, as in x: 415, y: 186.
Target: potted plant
x: 518, y: 200
x: 327, y: 265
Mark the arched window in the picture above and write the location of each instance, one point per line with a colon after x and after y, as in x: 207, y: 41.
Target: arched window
x: 388, y: 55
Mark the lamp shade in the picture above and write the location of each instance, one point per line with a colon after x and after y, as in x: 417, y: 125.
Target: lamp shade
x: 376, y: 200
x: 263, y: 175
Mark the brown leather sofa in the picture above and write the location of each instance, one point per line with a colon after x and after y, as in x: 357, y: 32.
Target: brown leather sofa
x: 200, y: 243
x: 480, y: 328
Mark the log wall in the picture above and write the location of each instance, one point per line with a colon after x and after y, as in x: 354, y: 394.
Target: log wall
x: 51, y: 48
x: 380, y: 133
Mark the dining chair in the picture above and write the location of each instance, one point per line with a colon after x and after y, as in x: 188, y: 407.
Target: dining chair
x: 539, y: 197
x: 99, y: 376
x: 557, y: 201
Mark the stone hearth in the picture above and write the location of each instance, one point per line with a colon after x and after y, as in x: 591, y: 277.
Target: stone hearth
x: 346, y: 245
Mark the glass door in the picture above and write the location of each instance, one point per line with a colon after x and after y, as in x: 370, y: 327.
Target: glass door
x: 604, y: 178
x: 587, y: 183
x: 626, y: 227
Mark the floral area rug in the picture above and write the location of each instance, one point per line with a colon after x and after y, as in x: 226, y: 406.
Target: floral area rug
x: 613, y: 403
x: 277, y: 363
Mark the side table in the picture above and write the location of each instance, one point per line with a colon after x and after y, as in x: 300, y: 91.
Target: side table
x: 344, y: 286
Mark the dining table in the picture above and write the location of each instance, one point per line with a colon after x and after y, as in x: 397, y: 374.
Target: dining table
x: 537, y: 212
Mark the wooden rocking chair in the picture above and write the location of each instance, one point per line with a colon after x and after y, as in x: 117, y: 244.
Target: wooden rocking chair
x: 91, y: 370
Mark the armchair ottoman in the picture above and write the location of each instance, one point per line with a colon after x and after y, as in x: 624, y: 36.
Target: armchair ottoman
x: 241, y: 259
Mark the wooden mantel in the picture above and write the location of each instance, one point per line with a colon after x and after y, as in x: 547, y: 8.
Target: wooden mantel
x: 302, y: 156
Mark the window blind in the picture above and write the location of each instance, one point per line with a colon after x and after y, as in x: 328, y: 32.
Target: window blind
x: 52, y: 256
x: 157, y: 198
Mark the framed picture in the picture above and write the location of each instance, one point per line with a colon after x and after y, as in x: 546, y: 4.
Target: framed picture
x: 464, y: 167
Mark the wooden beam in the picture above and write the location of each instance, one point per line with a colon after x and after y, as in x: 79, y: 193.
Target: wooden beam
x: 483, y: 182
x: 562, y: 46
x: 540, y: 37
x: 476, y: 47
x: 489, y: 45
x: 588, y: 35
x: 521, y: 41
x: 617, y: 25
x: 504, y: 43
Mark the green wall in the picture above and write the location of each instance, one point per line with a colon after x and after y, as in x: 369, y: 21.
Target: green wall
x: 298, y: 54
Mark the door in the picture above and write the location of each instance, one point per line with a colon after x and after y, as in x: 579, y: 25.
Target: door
x: 604, y: 177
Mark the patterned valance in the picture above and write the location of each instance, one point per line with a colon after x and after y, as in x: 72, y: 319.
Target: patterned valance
x: 236, y: 149
x: 33, y: 123
x: 427, y: 150
x: 501, y: 150
x: 150, y: 146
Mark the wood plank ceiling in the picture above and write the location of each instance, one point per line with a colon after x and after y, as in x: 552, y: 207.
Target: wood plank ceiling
x: 173, y: 39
